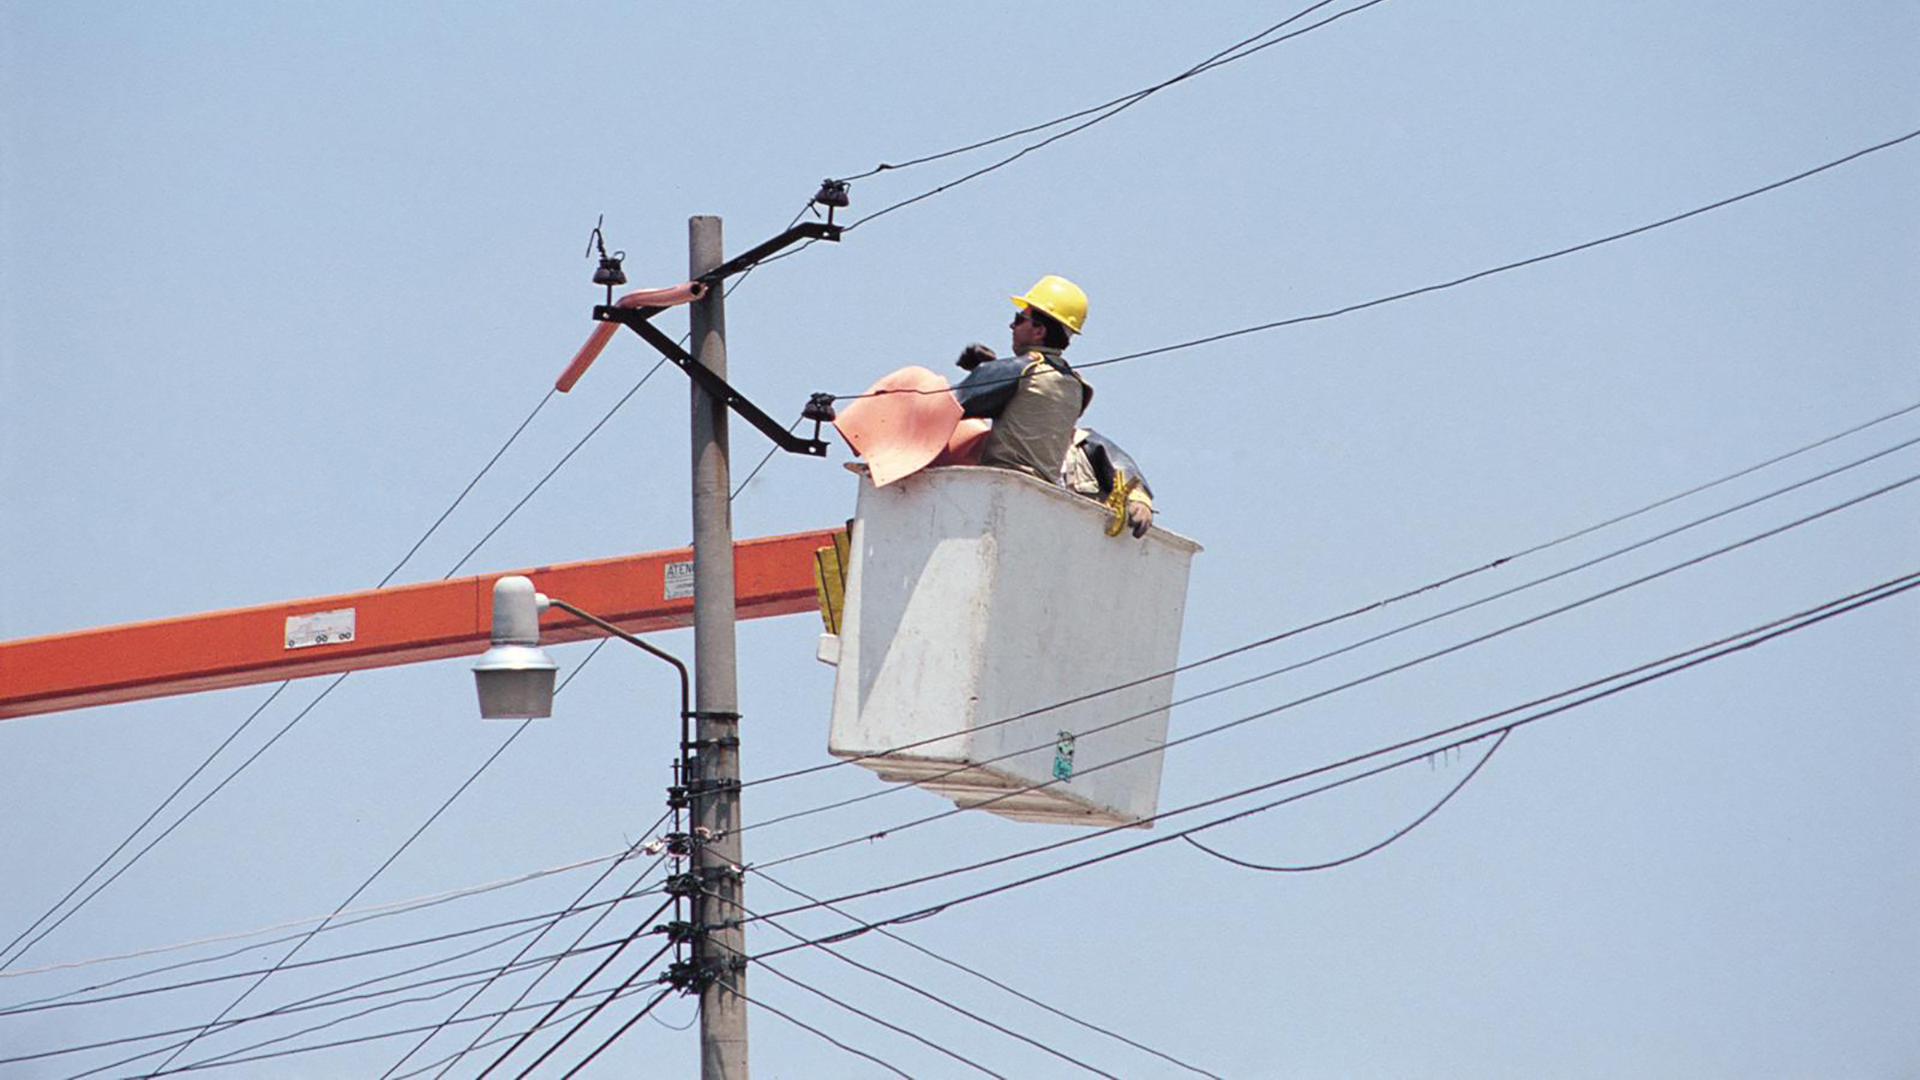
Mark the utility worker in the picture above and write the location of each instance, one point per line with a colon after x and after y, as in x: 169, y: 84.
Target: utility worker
x: 1032, y: 397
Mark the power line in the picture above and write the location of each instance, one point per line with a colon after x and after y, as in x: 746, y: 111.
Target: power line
x: 1129, y: 102
x: 930, y: 996
x: 244, y: 724
x: 1272, y: 639
x: 328, y: 1000
x: 1202, y: 66
x: 1357, y: 856
x: 579, y: 989
x: 909, y: 943
x: 357, y: 954
x: 331, y: 999
x: 889, y: 1025
x: 804, y: 1026
x: 595, y: 1011
x: 1364, y: 679
x: 622, y: 1030
x: 371, y: 878
x: 360, y: 915
x: 1455, y: 282
x: 1682, y: 661
x: 335, y: 1044
x: 1364, y: 608
x: 578, y: 901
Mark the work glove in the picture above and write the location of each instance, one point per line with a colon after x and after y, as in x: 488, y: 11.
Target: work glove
x: 1139, y: 518
x: 973, y: 356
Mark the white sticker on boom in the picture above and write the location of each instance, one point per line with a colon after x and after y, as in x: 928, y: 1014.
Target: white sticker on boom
x: 319, y: 628
x: 679, y: 581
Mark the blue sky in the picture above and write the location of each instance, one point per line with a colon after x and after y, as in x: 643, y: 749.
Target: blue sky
x: 275, y: 283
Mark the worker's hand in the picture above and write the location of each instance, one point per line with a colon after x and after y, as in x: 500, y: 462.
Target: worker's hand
x: 1140, y: 518
x: 974, y: 355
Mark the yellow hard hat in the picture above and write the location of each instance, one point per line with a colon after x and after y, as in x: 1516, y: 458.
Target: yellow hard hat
x: 1059, y: 298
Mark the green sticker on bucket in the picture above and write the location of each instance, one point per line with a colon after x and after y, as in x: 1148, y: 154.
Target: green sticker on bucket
x: 1063, y: 756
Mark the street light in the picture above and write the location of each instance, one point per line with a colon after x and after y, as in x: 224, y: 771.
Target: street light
x: 515, y: 676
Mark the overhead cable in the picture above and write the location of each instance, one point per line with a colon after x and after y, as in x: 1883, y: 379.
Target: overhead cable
x: 1364, y: 679
x: 804, y: 1026
x: 1458, y: 281
x: 577, y: 904
x: 580, y: 989
x: 65, y: 1002
x: 1364, y: 852
x: 1320, y: 623
x: 334, y: 1044
x: 921, y: 991
x: 1202, y: 66
x: 988, y: 979
x: 353, y: 917
x: 330, y: 999
x: 1110, y: 113
x: 1681, y: 661
x: 871, y: 1018
x: 244, y: 724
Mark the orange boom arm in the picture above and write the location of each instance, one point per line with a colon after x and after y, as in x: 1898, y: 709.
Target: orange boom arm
x: 381, y: 627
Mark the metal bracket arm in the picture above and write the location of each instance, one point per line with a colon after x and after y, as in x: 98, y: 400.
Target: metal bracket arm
x: 635, y: 319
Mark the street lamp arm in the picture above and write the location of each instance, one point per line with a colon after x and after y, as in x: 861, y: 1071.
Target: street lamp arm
x: 686, y: 704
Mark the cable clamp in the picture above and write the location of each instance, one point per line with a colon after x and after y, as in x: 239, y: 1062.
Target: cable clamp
x: 713, y: 714
x: 680, y: 931
x: 686, y: 976
x: 728, y: 872
x: 724, y: 742
x: 705, y: 787
x: 683, y: 885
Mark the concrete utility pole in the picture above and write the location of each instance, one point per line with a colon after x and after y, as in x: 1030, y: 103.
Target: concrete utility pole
x: 723, y: 1011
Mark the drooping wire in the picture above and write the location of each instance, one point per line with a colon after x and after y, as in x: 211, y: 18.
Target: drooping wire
x: 1682, y: 661
x: 1367, y: 678
x: 990, y: 980
x: 1458, y: 281
x: 1353, y: 612
x: 1364, y: 852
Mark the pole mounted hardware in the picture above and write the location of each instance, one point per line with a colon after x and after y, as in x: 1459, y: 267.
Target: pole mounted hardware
x: 638, y: 319
x: 609, y: 272
x: 832, y: 195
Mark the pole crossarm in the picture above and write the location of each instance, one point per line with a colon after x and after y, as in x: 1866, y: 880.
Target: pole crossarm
x: 714, y: 385
x: 383, y: 627
x: 638, y: 320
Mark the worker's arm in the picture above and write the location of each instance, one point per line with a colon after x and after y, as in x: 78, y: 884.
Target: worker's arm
x: 1107, y: 459
x: 989, y: 386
